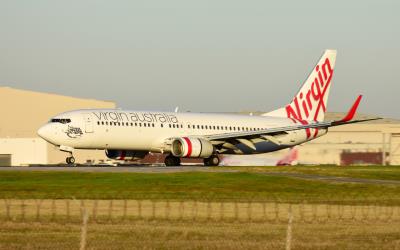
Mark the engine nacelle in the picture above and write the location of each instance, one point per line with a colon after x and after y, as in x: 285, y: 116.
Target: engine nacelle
x: 191, y: 147
x: 127, y: 155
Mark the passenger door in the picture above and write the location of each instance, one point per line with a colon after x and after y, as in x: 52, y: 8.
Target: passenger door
x: 88, y: 123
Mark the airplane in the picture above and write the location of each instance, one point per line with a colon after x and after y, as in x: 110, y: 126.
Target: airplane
x: 130, y: 135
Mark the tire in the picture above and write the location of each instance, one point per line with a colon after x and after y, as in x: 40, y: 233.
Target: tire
x: 212, y: 161
x: 172, y: 161
x: 70, y: 160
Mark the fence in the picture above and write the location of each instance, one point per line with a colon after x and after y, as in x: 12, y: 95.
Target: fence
x: 115, y: 211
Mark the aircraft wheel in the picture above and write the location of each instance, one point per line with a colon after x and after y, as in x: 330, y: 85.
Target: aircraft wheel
x: 212, y: 161
x: 172, y: 161
x: 70, y: 160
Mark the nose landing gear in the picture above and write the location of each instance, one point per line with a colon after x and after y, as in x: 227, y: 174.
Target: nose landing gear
x: 70, y: 160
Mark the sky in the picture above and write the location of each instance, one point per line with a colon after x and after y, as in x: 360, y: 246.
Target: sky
x: 208, y: 55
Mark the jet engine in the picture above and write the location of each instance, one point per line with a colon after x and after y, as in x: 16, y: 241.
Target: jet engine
x: 191, y: 147
x: 127, y: 155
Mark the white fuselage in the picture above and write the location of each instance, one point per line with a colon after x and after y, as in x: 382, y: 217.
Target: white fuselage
x: 150, y: 131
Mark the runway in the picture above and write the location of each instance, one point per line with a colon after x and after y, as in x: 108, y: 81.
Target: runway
x: 119, y: 169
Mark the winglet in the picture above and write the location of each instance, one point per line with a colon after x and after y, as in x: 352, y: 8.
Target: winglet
x: 352, y: 111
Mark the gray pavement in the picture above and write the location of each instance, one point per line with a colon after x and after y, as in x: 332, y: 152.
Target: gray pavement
x: 119, y: 169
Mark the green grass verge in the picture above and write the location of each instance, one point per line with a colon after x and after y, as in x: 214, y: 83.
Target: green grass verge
x: 193, y: 185
x: 367, y: 172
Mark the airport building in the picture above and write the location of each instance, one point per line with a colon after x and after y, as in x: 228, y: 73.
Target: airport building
x: 23, y: 112
x: 374, y: 142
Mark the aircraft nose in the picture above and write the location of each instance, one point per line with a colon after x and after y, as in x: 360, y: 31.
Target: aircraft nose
x: 44, y: 132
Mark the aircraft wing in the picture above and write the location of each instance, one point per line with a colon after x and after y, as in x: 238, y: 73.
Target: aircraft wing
x: 268, y: 133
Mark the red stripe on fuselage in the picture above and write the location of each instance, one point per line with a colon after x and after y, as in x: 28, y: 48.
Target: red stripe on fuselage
x: 189, y: 143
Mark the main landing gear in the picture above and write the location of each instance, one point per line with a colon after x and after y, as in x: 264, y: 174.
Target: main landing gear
x: 212, y: 161
x: 171, y: 160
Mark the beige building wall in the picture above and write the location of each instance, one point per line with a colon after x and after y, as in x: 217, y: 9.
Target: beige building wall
x: 367, y: 137
x: 377, y: 136
x: 24, y: 151
x: 22, y: 112
x: 394, y: 148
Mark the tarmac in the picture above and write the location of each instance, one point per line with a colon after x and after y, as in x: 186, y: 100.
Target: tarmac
x: 193, y: 168
x: 119, y: 169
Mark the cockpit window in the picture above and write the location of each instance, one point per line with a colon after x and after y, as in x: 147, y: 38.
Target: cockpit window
x: 64, y: 121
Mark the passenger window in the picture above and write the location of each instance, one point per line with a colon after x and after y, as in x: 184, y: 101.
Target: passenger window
x: 169, y: 125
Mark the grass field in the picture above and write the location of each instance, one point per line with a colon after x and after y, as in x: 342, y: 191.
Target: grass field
x: 199, y: 235
x: 368, y: 172
x: 247, y: 184
x: 199, y: 210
